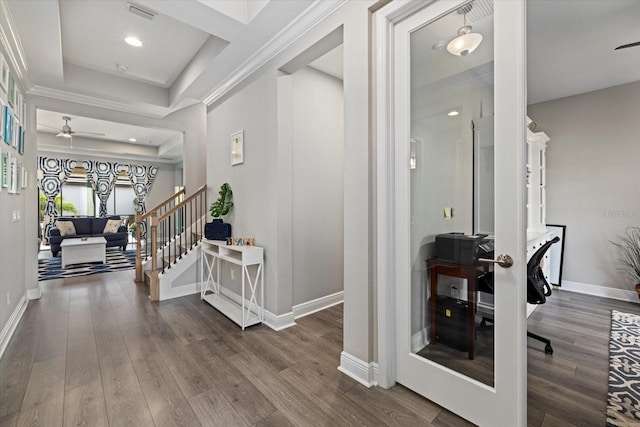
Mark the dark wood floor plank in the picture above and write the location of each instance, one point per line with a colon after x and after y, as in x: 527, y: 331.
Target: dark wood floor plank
x: 167, y: 403
x: 85, y: 406
x: 125, y: 403
x: 250, y: 404
x: 328, y: 398
x: 16, y: 364
x: 82, y: 365
x: 145, y: 356
x: 274, y: 420
x: 214, y: 410
x: 296, y: 407
x: 388, y: 411
x: 45, y: 383
x: 46, y: 414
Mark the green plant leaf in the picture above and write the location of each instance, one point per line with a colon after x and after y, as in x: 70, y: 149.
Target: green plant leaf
x: 223, y: 205
x: 629, y: 246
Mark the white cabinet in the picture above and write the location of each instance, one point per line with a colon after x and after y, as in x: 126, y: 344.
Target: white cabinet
x: 243, y: 309
x: 536, y: 181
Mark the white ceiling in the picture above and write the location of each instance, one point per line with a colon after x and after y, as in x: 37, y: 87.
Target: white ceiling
x: 570, y: 46
x: 331, y: 63
x: 93, y: 34
x: 51, y: 122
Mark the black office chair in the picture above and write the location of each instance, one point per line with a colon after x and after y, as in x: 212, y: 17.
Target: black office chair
x: 538, y: 288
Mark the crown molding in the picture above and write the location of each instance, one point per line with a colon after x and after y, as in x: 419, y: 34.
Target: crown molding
x: 313, y: 15
x: 146, y: 110
x: 13, y: 47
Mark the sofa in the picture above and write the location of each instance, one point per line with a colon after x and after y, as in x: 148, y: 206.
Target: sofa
x: 87, y: 227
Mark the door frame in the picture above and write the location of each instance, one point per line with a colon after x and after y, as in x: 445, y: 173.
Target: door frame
x: 510, y: 48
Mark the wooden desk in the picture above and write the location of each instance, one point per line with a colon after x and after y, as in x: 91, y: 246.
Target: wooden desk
x: 469, y: 272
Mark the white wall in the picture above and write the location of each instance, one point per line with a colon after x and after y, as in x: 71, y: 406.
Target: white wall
x: 592, y: 177
x: 317, y: 185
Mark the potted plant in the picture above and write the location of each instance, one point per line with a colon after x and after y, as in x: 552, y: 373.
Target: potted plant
x: 629, y: 245
x: 217, y: 229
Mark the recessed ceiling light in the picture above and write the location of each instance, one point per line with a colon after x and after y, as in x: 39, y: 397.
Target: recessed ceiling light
x: 133, y: 41
x: 132, y: 140
x: 453, y: 113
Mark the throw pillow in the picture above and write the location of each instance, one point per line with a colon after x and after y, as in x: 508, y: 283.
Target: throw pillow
x: 66, y: 228
x: 112, y: 226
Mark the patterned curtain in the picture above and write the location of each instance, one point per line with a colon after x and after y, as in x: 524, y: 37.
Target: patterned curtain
x: 52, y: 173
x: 102, y: 177
x: 141, y: 178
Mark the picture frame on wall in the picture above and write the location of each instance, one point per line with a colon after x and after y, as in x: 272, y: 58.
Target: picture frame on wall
x: 4, y: 172
x: 25, y: 177
x: 237, y: 148
x: 4, y: 73
x: 11, y: 91
x: 21, y: 140
x: 6, y: 120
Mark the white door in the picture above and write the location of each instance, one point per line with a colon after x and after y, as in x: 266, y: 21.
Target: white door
x: 442, y: 347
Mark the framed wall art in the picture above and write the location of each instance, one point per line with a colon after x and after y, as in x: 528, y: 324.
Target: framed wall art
x: 237, y: 148
x: 4, y: 170
x: 4, y: 73
x: 11, y: 91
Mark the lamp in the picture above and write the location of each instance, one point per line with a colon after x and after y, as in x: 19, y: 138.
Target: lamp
x: 466, y: 42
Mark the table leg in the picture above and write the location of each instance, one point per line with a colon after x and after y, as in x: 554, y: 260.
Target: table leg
x: 471, y: 315
x: 432, y: 302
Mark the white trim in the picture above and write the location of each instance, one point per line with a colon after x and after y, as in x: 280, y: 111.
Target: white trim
x: 12, y: 324
x: 361, y: 371
x: 34, y: 293
x: 600, y: 291
x: 318, y: 304
x: 146, y: 110
x: 304, y: 23
x: 278, y: 322
x: 419, y: 340
x: 16, y: 56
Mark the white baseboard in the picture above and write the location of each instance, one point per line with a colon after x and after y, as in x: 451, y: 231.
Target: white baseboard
x: 419, y: 340
x: 318, y: 304
x: 11, y: 325
x: 361, y: 371
x: 600, y: 291
x: 34, y: 293
x: 280, y: 321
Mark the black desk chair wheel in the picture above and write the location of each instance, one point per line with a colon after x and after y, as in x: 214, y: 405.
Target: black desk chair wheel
x: 538, y: 288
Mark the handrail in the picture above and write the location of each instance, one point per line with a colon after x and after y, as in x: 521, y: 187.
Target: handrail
x: 161, y: 205
x: 181, y: 204
x: 171, y: 235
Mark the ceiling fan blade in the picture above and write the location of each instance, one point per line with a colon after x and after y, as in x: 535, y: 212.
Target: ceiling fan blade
x: 50, y: 127
x: 624, y: 46
x: 88, y: 133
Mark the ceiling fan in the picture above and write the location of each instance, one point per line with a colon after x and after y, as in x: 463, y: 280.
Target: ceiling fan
x: 624, y: 46
x: 66, y: 131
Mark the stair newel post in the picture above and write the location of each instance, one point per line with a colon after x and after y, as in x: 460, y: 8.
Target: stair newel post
x: 139, y: 272
x: 154, y: 292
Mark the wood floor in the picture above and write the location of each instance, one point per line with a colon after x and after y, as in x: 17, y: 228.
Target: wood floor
x: 94, y: 351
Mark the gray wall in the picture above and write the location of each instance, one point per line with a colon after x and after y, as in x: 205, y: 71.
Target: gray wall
x: 253, y: 111
x: 18, y: 240
x: 317, y: 185
x: 592, y: 177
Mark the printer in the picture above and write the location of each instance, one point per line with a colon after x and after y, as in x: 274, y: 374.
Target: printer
x: 463, y: 249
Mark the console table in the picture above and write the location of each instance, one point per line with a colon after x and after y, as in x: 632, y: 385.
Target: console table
x: 243, y: 309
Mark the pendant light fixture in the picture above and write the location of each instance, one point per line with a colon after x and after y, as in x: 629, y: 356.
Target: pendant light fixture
x: 466, y: 42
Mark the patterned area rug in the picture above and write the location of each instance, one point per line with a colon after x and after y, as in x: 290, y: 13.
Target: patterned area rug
x: 50, y: 268
x: 623, y: 407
